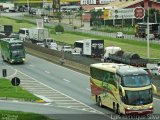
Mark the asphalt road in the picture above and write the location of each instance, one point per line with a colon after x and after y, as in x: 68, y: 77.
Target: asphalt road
x: 67, y: 82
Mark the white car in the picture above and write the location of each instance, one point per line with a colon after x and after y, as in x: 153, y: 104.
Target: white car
x: 156, y: 70
x: 151, y: 37
x: 41, y: 44
x: 67, y: 49
x: 53, y: 46
x: 119, y: 35
x: 46, y: 19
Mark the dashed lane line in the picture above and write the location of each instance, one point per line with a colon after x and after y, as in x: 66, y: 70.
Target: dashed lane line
x: 54, y: 93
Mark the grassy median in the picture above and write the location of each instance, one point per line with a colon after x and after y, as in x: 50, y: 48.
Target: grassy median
x: 9, y: 91
x: 17, y: 115
x: 139, y: 47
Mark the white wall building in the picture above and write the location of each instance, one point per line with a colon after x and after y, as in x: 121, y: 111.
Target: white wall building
x: 94, y: 2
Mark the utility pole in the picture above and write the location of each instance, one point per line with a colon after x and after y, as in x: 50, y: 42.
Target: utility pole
x: 155, y: 15
x: 28, y: 5
x: 148, y: 49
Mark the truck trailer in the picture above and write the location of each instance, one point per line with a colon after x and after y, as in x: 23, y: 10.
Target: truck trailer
x: 38, y: 34
x: 141, y: 30
x: 90, y: 47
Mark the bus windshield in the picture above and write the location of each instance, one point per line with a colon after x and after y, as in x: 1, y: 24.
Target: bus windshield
x: 138, y: 97
x: 136, y: 81
x: 16, y: 46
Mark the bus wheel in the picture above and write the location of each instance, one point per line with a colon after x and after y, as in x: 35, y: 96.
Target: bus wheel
x: 114, y: 108
x: 3, y: 57
x: 118, y: 110
x: 99, y: 102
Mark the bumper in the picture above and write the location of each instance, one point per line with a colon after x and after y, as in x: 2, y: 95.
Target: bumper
x: 139, y: 112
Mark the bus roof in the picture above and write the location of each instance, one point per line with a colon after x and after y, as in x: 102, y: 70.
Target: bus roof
x: 11, y: 40
x: 121, y: 69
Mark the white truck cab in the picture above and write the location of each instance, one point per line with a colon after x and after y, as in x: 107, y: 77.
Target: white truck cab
x: 23, y: 34
x: 110, y: 50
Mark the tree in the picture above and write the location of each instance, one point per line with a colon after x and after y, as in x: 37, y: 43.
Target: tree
x: 80, y: 13
x: 59, y: 15
x: 96, y: 17
x: 153, y: 14
x: 69, y: 13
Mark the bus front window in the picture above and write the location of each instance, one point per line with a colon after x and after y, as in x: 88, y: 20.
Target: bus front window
x: 16, y: 47
x: 142, y: 97
x: 136, y: 81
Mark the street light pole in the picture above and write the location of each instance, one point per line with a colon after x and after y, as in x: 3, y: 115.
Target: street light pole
x: 28, y: 5
x: 148, y: 49
x: 155, y: 15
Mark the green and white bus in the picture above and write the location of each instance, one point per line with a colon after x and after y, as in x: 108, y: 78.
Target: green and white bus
x: 12, y: 50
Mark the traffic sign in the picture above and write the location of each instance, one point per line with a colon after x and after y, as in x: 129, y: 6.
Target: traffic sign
x: 106, y: 14
x: 127, y: 13
x: 139, y: 12
x: 15, y: 81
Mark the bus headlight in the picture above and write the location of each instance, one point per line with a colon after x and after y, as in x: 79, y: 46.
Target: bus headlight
x: 128, y: 108
x: 12, y: 60
x: 23, y: 59
x: 151, y: 106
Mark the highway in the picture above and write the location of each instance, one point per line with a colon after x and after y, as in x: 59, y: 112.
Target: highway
x: 66, y: 89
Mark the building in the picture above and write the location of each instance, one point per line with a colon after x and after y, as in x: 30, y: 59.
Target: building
x: 95, y: 2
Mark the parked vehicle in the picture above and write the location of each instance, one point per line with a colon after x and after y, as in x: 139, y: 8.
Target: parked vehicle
x: 141, y: 30
x: 45, y: 19
x: 90, y: 47
x: 119, y: 35
x: 12, y: 50
x: 151, y: 37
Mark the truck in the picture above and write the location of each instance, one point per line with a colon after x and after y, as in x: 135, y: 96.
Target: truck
x: 110, y: 50
x: 141, y: 30
x: 6, y: 29
x: 33, y: 34
x: 38, y: 34
x: 8, y: 7
x: 128, y: 58
x: 12, y: 50
x: 90, y: 47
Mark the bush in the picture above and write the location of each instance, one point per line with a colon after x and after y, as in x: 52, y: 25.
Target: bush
x: 59, y: 28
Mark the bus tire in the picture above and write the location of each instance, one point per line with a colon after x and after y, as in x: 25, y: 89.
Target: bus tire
x: 114, y: 108
x: 118, y: 110
x: 3, y: 58
x: 99, y: 102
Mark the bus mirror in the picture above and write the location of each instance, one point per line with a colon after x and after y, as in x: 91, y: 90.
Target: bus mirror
x: 123, y: 92
x: 154, y: 89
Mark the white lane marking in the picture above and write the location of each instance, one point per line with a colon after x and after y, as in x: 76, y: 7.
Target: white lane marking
x: 88, y: 89
x: 66, y: 80
x: 31, y: 65
x: 156, y: 99
x: 47, y: 72
x: 61, y: 93
x: 47, y: 103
